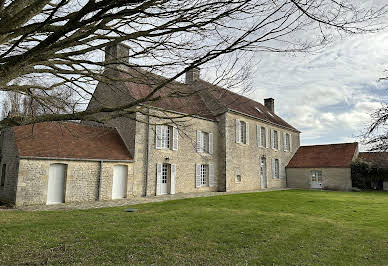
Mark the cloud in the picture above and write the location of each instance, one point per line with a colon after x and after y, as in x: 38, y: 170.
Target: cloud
x: 329, y: 96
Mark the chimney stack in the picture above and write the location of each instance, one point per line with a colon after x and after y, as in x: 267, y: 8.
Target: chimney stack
x: 115, y: 53
x: 270, y: 104
x: 192, y: 75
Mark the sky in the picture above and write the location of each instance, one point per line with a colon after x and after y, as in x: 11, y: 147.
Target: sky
x: 329, y: 95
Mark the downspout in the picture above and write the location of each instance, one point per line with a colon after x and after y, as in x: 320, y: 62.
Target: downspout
x: 147, y: 152
x: 99, y: 181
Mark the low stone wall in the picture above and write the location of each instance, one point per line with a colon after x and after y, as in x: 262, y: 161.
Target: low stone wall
x: 332, y: 178
x: 81, y: 180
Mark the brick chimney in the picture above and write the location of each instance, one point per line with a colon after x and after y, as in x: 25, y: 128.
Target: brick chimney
x: 192, y: 75
x: 117, y: 53
x: 270, y: 104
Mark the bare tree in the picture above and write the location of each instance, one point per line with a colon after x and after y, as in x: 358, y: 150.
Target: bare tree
x: 60, y: 42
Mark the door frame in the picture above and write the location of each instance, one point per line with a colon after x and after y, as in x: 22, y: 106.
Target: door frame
x: 65, y: 167
x: 126, y: 180
x: 263, y: 173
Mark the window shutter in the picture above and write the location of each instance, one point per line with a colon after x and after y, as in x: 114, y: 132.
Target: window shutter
x: 211, y: 175
x: 273, y: 168
x: 197, y: 175
x: 158, y: 137
x: 267, y: 138
x: 173, y: 178
x: 199, y: 141
x: 175, y: 138
x: 284, y: 141
x: 258, y: 135
x: 211, y: 143
x: 158, y: 179
x: 247, y: 132
x: 238, y: 131
x: 279, y: 137
x: 272, y: 139
x: 290, y: 142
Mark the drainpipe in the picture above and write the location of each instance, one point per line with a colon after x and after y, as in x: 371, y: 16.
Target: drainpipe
x: 147, y: 153
x: 99, y: 181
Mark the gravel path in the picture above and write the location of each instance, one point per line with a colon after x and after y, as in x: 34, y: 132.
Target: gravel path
x: 123, y: 202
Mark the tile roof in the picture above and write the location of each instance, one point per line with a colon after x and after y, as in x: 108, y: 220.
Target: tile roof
x: 235, y: 102
x: 70, y: 140
x: 379, y: 159
x: 322, y: 156
x: 199, y: 98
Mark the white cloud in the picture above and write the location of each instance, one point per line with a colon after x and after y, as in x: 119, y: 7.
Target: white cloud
x: 328, y: 96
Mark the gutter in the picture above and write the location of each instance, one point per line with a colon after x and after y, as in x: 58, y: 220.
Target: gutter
x: 74, y: 159
x: 99, y: 181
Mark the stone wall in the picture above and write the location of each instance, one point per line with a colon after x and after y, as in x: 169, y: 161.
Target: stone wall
x: 332, y: 178
x: 81, y: 180
x: 245, y: 158
x: 9, y: 157
x: 185, y: 158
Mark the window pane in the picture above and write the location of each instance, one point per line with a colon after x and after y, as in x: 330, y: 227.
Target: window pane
x: 263, y: 137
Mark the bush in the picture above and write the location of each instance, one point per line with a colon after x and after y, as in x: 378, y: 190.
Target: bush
x: 366, y: 176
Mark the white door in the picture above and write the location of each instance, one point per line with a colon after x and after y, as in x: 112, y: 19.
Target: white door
x: 56, y: 184
x: 165, y: 174
x: 316, y: 179
x: 263, y: 172
x: 119, y: 186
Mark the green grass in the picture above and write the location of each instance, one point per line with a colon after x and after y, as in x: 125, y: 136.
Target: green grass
x: 280, y: 227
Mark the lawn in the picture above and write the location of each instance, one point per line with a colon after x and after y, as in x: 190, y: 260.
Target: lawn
x: 280, y: 227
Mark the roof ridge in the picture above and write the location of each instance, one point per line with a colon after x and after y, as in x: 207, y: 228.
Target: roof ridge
x: 329, y: 144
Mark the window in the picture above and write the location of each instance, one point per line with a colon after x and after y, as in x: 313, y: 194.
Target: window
x: 203, y: 174
x: 3, y: 171
x: 166, y: 137
x: 164, y: 173
x: 263, y: 137
x: 287, y: 141
x: 242, y: 132
x: 276, y: 168
x: 204, y: 142
x: 237, y: 175
x: 275, y: 139
x: 316, y: 176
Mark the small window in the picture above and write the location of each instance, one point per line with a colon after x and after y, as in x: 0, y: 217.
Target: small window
x: 287, y: 144
x: 276, y: 169
x: 243, y: 132
x: 263, y: 137
x: 316, y: 176
x: 205, y: 141
x: 237, y: 175
x: 275, y: 139
x: 258, y: 109
x: 3, y: 172
x: 204, y: 172
x: 238, y: 178
x: 166, y: 137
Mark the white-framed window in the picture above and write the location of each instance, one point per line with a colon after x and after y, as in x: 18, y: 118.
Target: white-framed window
x: 164, y: 173
x: 287, y: 141
x: 261, y: 136
x: 204, y: 142
x: 316, y: 176
x: 204, y: 175
x: 166, y: 137
x: 242, y: 132
x: 275, y: 139
x: 276, y: 168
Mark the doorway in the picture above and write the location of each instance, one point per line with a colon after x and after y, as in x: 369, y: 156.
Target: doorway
x: 119, y: 186
x: 56, y: 183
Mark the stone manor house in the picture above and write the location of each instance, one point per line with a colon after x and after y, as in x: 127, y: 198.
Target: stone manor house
x: 218, y: 141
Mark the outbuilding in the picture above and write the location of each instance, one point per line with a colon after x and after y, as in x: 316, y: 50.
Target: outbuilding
x: 50, y: 163
x: 322, y: 167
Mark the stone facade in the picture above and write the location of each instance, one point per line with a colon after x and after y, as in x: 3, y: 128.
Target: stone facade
x: 332, y: 178
x: 245, y: 158
x: 228, y: 156
x: 82, y: 180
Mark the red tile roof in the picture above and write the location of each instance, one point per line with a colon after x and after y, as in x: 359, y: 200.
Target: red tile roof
x: 379, y: 159
x: 235, y: 102
x: 322, y: 156
x: 70, y: 140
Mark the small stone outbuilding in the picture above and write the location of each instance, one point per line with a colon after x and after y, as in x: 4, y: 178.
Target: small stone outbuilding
x: 322, y: 167
x: 51, y: 163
